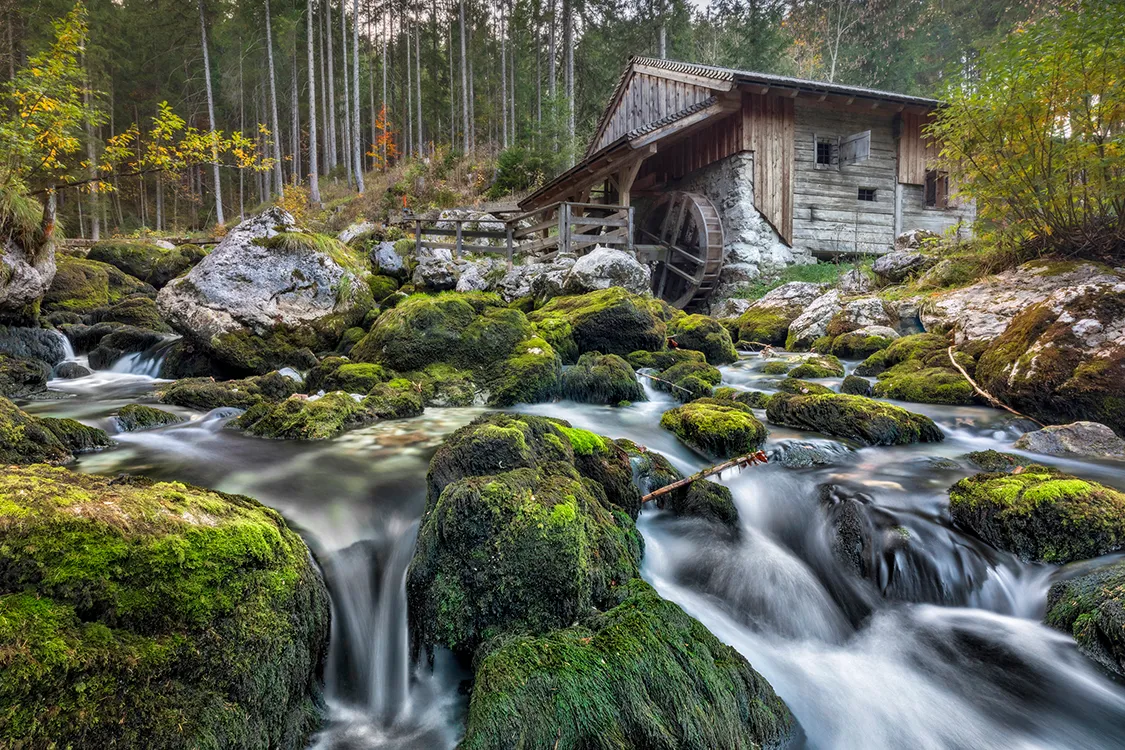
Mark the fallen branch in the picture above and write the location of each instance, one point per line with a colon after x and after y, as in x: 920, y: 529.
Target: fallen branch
x: 662, y: 380
x: 985, y: 394
x: 758, y: 457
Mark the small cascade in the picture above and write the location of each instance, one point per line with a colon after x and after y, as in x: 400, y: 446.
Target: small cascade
x: 67, y: 347
x: 146, y: 363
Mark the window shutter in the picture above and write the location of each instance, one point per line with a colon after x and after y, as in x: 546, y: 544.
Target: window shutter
x: 855, y: 148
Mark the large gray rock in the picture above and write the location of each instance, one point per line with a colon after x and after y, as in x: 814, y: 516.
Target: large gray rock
x: 386, y: 261
x: 604, y: 267
x: 898, y: 265
x: 1078, y: 439
x: 256, y: 308
x: 33, y: 343
x: 812, y: 324
x: 982, y: 311
x: 25, y: 276
x: 434, y: 270
x: 481, y: 275
x: 855, y: 281
x: 355, y: 229
x: 731, y: 308
x: 861, y: 313
x: 915, y: 239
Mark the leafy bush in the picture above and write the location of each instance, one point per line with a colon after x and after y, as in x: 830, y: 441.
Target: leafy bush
x: 1037, y: 135
x: 519, y: 170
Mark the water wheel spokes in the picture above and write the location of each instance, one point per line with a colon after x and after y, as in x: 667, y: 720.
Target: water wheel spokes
x: 688, y: 226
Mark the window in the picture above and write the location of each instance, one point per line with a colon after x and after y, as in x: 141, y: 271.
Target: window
x: 937, y: 189
x: 867, y: 194
x: 855, y: 148
x: 823, y: 152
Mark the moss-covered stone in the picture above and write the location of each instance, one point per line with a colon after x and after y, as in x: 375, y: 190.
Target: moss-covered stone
x: 701, y: 499
x: 122, y: 341
x: 802, y: 387
x: 873, y: 365
x: 528, y: 375
x: 1041, y: 514
x: 863, y: 419
x: 304, y: 417
x: 634, y: 677
x: 753, y: 399
x: 765, y: 325
x: 251, y: 352
x: 703, y: 334
x: 445, y: 385
x: 150, y: 263
x: 994, y: 461
x: 351, y: 337
x: 82, y: 285
x: 717, y: 429
x: 134, y: 417
x: 136, y: 311
x: 339, y: 374
x: 155, y: 615
x: 25, y: 439
x: 858, y: 344
x: 21, y: 376
x: 206, y: 393
x: 688, y: 380
x: 854, y: 385
x: 917, y: 368
x: 825, y: 366
x: 382, y: 287
x: 1091, y: 607
x: 531, y: 549
x: 601, y: 379
x: 396, y: 399
x: 610, y: 321
x: 777, y: 367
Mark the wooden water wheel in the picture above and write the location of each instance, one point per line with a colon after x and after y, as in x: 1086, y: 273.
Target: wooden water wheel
x: 688, y: 226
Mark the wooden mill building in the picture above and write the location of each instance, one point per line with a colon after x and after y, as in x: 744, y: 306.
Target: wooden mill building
x: 761, y: 165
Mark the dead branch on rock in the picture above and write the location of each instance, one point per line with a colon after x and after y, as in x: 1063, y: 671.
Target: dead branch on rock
x: 758, y: 457
x: 985, y: 394
x: 662, y: 380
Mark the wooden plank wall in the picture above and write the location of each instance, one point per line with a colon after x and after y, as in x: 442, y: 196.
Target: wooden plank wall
x: 768, y: 130
x: 646, y: 99
x: 915, y: 152
x: 827, y: 213
x: 704, y: 146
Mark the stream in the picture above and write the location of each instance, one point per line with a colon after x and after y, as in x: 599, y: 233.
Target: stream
x: 944, y: 649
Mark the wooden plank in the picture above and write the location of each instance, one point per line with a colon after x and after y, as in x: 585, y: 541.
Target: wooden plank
x: 468, y: 248
x: 475, y: 233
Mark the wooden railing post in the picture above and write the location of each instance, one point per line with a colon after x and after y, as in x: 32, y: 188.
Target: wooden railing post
x: 564, y: 228
x: 457, y: 251
x: 629, y: 229
x: 508, y: 227
x: 417, y: 237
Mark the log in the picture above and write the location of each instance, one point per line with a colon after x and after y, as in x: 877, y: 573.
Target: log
x: 757, y: 457
x: 662, y: 380
x: 985, y: 394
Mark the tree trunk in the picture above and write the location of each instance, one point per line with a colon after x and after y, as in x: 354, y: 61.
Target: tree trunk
x: 552, y: 56
x: 504, y: 74
x: 663, y: 41
x: 568, y: 41
x: 409, y: 93
x: 371, y: 85
x: 465, y: 83
x: 418, y: 82
x: 295, y: 124
x: 358, y: 151
x: 330, y: 109
x: 219, y: 219
x: 346, y: 122
x: 241, y: 129
x: 314, y: 180
x: 95, y: 222
x: 452, y: 92
x: 279, y: 180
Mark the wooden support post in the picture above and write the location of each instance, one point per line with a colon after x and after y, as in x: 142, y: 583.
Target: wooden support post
x: 417, y: 237
x: 509, y: 239
x: 629, y: 229
x: 564, y: 228
x: 458, y: 241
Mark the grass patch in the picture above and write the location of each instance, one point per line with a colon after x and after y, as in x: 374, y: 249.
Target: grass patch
x: 816, y: 273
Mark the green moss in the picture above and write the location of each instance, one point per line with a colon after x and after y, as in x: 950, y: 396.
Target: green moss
x: 912, y: 381
x: 150, y: 263
x: 854, y: 345
x: 703, y: 334
x: 346, y: 257
x: 662, y: 360
x: 764, y: 325
x: 20, y: 376
x: 25, y: 439
x: 863, y: 419
x: 584, y: 442
x: 382, y: 287
x: 994, y: 461
x: 802, y: 387
x: 1091, y: 607
x: 75, y: 436
x: 529, y: 374
x: 206, y: 393
x: 873, y: 365
x: 398, y: 399
x: 753, y: 399
x: 355, y: 377
x: 82, y: 285
x: 777, y: 367
x: 139, y: 312
x: 716, y: 429
x: 157, y: 615
x: 601, y: 379
x: 856, y: 386
x: 133, y: 417
x: 304, y: 418
x: 818, y: 367
x: 633, y: 677
x: 610, y: 321
x: 1041, y: 514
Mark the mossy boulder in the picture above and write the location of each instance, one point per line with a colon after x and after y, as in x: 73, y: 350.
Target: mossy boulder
x: 753, y: 399
x: 529, y: 374
x: 1091, y: 607
x: 703, y: 334
x: 802, y: 387
x: 122, y: 341
x: 136, y: 311
x: 688, y: 380
x: 340, y: 374
x: 382, y: 287
x: 134, y: 417
x: 157, y: 615
x: 25, y: 439
x: 854, y: 385
x: 716, y: 428
x: 610, y: 321
x: 82, y: 286
x: 206, y: 393
x: 445, y: 385
x: 994, y: 461
x: 304, y: 417
x: 824, y: 366
x: 662, y: 360
x: 148, y: 262
x: 1063, y: 360
x: 863, y: 343
x: 1041, y: 514
x: 701, y: 499
x: 633, y: 677
x: 767, y: 320
x: 513, y: 537
x: 396, y: 399
x: 778, y: 366
x: 22, y: 376
x: 862, y: 419
x: 917, y: 368
x: 601, y: 379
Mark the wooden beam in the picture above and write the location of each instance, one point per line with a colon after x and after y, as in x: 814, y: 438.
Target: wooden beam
x: 716, y: 84
x: 685, y: 124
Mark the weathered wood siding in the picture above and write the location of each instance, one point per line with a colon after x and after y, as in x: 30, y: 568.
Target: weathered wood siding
x: 828, y: 216
x: 768, y: 130
x: 705, y: 146
x: 916, y: 216
x: 915, y: 151
x: 646, y: 99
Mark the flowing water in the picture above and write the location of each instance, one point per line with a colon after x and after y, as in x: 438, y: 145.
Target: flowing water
x: 941, y: 647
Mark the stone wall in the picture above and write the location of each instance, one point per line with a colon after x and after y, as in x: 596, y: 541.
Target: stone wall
x: 752, y: 246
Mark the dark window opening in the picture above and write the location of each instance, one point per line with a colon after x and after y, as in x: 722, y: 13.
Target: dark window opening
x: 867, y: 194
x: 824, y: 152
x: 937, y: 189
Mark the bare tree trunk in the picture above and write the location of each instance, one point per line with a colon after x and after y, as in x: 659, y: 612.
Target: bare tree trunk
x: 330, y: 109
x: 383, y: 108
x: 279, y: 180
x: 504, y: 73
x: 314, y: 179
x: 663, y: 41
x: 552, y: 56
x: 371, y: 85
x: 538, y: 67
x: 452, y: 92
x: 345, y: 130
x: 219, y: 218
x: 95, y: 223
x: 241, y: 129
x: 465, y: 83
x: 418, y: 82
x: 512, y: 85
x: 568, y: 41
x: 358, y: 151
x: 409, y: 93
x: 295, y: 124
